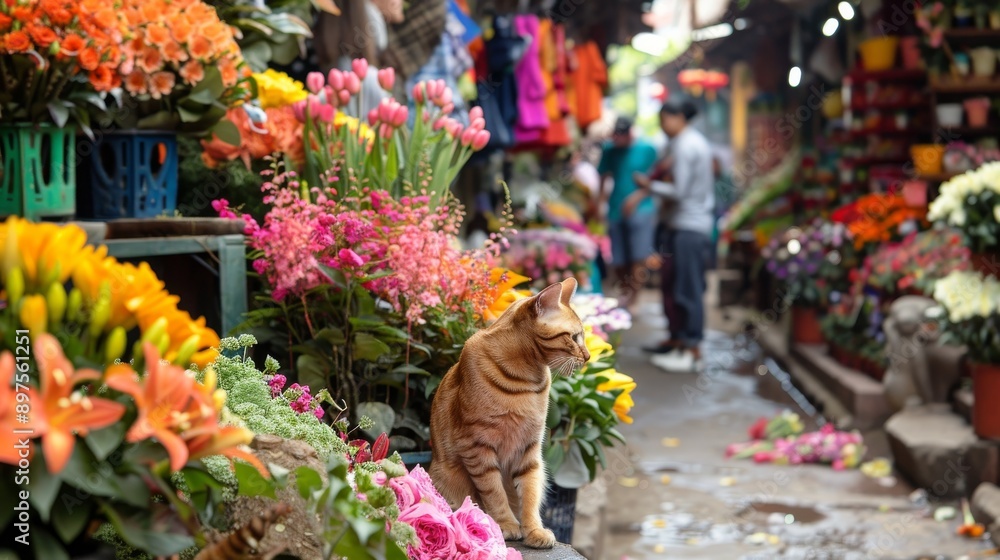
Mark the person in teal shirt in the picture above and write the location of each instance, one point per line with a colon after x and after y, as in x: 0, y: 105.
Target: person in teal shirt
x: 632, y: 235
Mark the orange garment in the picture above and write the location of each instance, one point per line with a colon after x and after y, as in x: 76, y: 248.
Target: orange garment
x: 549, y: 64
x: 590, y: 79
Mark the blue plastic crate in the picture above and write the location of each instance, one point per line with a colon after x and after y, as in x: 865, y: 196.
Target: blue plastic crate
x: 133, y: 174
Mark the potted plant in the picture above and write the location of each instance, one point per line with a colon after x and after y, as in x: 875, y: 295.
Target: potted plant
x: 809, y: 263
x: 584, y: 410
x: 970, y: 311
x: 58, y: 60
x: 182, y: 71
x: 971, y: 203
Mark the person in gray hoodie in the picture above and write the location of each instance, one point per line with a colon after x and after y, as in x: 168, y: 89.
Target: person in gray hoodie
x: 687, y: 218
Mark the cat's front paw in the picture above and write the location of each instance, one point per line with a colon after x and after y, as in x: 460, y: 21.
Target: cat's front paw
x: 539, y: 537
x: 511, y: 531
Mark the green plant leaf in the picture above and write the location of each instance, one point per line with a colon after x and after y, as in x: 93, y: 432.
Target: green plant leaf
x: 411, y: 369
x: 383, y: 417
x: 162, y: 120
x: 226, y: 131
x: 59, y: 113
x: 308, y: 481
x: 251, y: 482
x: 70, y: 519
x: 211, y: 83
x: 46, y: 546
x: 367, y: 347
x: 554, y: 456
x: 289, y: 23
x: 155, y: 529
x: 312, y: 371
x: 44, y: 488
x: 102, y: 442
x: 332, y: 335
x: 188, y: 115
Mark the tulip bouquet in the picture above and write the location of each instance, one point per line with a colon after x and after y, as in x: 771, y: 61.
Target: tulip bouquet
x: 58, y: 58
x: 111, y: 447
x: 182, y: 69
x: 971, y: 203
x: 53, y: 282
x: 828, y: 446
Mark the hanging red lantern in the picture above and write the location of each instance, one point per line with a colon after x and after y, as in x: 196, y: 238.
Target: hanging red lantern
x: 692, y: 80
x: 714, y: 81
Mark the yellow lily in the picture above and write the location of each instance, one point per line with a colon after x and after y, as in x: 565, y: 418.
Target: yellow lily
x: 34, y: 314
x: 597, y: 346
x: 44, y: 251
x: 504, y: 294
x: 624, y: 402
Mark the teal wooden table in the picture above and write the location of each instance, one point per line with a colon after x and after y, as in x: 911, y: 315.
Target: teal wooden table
x: 226, y: 252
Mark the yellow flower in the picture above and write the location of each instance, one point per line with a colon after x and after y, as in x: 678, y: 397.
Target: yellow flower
x: 503, y: 282
x: 352, y: 123
x: 597, y: 346
x: 624, y: 402
x: 277, y: 89
x: 46, y: 252
x: 34, y: 314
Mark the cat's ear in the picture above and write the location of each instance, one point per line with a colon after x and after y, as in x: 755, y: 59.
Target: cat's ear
x: 568, y: 290
x: 547, y: 300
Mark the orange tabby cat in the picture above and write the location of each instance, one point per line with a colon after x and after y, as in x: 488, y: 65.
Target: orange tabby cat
x: 488, y: 416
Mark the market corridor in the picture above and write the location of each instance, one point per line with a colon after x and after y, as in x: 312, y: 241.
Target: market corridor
x: 675, y: 495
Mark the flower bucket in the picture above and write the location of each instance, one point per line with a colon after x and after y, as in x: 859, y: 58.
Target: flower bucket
x: 909, y: 48
x: 39, y: 171
x: 878, y: 53
x: 927, y: 158
x: 987, y: 264
x: 986, y: 393
x: 977, y: 111
x: 559, y: 512
x: 984, y: 62
x: 949, y: 114
x: 414, y: 458
x: 133, y: 174
x: 806, y: 326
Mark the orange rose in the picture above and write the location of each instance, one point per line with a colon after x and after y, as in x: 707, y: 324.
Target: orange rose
x: 151, y: 11
x: 23, y: 13
x: 192, y: 72
x: 91, y: 6
x: 41, y: 35
x: 161, y: 84
x: 102, y: 78
x: 5, y: 22
x: 106, y: 18
x: 89, y: 58
x: 17, y: 41
x: 157, y: 35
x: 136, y: 83
x: 150, y: 61
x: 72, y: 45
x: 173, y: 52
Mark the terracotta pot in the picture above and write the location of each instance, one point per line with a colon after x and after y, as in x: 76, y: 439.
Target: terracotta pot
x: 805, y: 325
x: 986, y: 392
x: 987, y: 264
x: 977, y: 111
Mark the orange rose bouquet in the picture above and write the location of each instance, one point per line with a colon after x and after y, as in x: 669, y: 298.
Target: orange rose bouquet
x: 59, y: 58
x: 183, y: 69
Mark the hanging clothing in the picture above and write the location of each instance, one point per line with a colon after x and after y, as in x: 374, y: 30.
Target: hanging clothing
x: 412, y: 42
x: 448, y: 62
x: 498, y: 88
x: 532, y: 118
x: 553, y: 63
x: 590, y: 79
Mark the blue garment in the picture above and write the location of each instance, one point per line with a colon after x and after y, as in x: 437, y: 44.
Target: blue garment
x: 691, y: 253
x: 621, y: 163
x: 448, y: 62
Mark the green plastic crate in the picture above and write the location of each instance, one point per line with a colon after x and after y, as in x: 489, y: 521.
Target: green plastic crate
x: 39, y: 171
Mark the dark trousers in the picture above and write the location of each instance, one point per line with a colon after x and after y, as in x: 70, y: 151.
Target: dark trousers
x: 685, y: 258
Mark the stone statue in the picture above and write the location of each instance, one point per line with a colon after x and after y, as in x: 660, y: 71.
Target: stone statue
x: 908, y: 334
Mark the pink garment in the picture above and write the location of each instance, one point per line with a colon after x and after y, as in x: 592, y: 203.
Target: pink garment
x: 559, y: 78
x: 532, y: 116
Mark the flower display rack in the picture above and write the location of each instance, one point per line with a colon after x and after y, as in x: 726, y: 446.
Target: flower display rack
x: 39, y: 174
x: 133, y: 174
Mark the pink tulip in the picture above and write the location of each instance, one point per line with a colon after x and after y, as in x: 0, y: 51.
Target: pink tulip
x: 400, y: 115
x: 373, y: 117
x: 432, y: 90
x: 439, y: 123
x: 440, y: 86
x: 345, y: 97
x: 455, y: 129
x: 315, y: 82
x: 445, y: 98
x: 384, y: 130
x: 447, y: 109
x: 478, y: 124
x: 360, y: 67
x: 426, y: 117
x: 336, y: 79
x: 314, y: 104
x: 385, y: 109
x: 299, y: 110
x: 476, y: 113
x: 481, y: 139
x: 331, y: 95
x: 326, y: 113
x: 418, y: 93
x: 352, y: 82
x: 387, y: 78
x: 467, y: 136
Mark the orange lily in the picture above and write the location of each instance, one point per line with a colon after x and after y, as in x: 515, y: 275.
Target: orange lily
x: 623, y: 403
x: 179, y: 412
x: 65, y: 412
x: 8, y: 439
x: 503, y: 292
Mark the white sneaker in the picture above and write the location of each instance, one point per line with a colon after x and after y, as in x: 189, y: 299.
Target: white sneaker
x: 679, y: 361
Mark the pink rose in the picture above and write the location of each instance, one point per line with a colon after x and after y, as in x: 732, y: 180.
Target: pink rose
x: 428, y: 492
x: 513, y: 554
x: 477, y: 535
x: 407, y: 491
x: 434, y: 529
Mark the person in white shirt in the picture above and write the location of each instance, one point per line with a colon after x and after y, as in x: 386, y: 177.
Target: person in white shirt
x: 687, y: 219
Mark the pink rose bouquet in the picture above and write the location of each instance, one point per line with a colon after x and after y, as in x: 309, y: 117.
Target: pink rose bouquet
x: 466, y: 534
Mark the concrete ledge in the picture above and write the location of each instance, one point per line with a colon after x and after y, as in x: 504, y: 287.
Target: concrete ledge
x: 863, y: 396
x: 932, y: 447
x: 986, y: 509
x: 559, y: 552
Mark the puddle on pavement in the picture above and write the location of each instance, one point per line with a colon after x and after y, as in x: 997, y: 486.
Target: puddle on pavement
x: 772, y: 513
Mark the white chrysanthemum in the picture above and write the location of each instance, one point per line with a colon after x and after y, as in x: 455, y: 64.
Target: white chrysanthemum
x: 966, y: 295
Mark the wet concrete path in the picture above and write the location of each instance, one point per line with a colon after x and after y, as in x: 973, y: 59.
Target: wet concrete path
x: 673, y: 494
